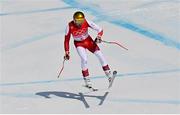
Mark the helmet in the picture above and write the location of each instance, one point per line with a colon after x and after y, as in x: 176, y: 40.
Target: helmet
x: 78, y: 17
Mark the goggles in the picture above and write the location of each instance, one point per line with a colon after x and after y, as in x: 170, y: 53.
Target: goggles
x: 78, y: 21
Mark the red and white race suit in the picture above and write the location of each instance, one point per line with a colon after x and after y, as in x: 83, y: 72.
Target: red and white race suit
x: 83, y: 42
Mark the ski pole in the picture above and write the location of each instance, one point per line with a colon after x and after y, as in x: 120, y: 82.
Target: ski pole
x: 115, y: 43
x: 62, y: 68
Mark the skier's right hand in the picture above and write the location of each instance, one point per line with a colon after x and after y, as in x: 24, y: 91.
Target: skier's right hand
x: 98, y: 39
x: 67, y: 55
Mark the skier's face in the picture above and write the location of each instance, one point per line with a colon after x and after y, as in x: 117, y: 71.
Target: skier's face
x: 78, y: 22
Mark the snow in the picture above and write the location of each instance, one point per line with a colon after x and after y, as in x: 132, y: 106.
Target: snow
x: 32, y: 35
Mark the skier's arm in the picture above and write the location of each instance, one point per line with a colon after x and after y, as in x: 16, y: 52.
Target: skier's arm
x: 66, y: 42
x: 96, y: 28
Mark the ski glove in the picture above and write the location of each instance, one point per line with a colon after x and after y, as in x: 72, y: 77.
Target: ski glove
x: 67, y: 56
x: 98, y: 40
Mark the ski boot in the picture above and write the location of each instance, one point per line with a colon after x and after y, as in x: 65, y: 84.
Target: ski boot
x: 110, y: 77
x: 88, y: 84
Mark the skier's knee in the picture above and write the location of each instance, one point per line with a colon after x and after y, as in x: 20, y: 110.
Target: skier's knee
x: 84, y: 61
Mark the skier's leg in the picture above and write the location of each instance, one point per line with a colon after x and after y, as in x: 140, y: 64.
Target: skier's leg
x: 83, y: 55
x: 101, y: 58
x: 103, y: 62
x: 93, y: 47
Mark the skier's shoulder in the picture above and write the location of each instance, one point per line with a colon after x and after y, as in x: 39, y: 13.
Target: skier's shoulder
x: 71, y: 22
x: 90, y: 23
x: 70, y: 25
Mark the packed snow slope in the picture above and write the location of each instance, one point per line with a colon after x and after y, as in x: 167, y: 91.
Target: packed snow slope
x: 32, y: 38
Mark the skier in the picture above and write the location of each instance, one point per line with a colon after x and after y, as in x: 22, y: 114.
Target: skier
x: 78, y: 28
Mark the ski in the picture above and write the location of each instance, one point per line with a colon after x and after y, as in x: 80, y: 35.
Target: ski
x: 91, y: 88
x: 112, y: 79
x: 110, y: 84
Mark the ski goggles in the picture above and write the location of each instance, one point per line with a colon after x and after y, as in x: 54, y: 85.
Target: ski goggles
x: 78, y: 21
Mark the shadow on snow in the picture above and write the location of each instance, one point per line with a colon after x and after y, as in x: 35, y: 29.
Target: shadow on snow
x: 80, y: 96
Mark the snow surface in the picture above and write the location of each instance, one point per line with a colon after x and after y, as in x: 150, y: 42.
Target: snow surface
x: 32, y: 35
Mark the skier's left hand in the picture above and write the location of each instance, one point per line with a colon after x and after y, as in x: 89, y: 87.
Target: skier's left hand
x: 98, y: 39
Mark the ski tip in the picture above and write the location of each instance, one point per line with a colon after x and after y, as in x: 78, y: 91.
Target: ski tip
x: 95, y: 89
x: 114, y: 72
